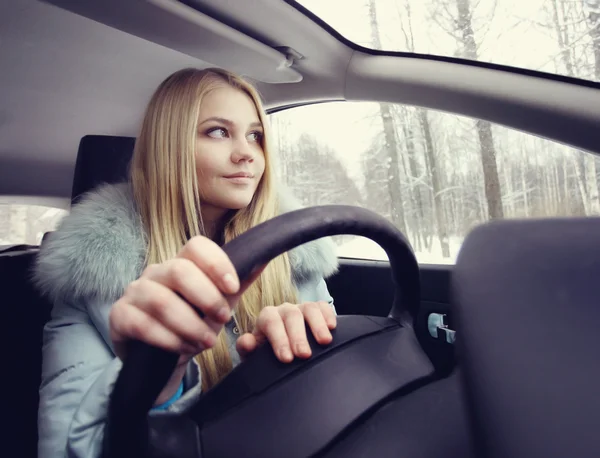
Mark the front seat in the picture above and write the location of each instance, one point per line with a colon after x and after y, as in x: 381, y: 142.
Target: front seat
x: 527, y: 303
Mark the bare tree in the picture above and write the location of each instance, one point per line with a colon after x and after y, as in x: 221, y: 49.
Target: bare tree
x: 458, y: 23
x: 591, y: 9
x: 565, y: 17
x: 484, y: 128
x: 435, y: 181
x: 317, y: 176
x: 281, y: 128
x: 415, y: 175
x: 394, y: 184
x: 433, y: 169
x: 562, y: 35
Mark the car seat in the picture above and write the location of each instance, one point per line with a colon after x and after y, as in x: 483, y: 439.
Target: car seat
x: 99, y: 159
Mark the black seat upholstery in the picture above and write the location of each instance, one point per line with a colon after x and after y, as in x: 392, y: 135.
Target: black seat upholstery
x: 100, y: 159
x: 527, y: 303
x: 23, y: 316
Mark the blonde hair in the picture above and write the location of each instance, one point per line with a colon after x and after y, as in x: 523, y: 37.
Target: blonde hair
x: 165, y: 187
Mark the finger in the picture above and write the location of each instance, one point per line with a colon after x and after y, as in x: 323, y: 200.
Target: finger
x: 295, y: 327
x: 182, y: 276
x: 328, y: 314
x: 314, y: 316
x: 128, y: 322
x: 270, y: 325
x: 170, y: 310
x: 213, y: 261
x: 246, y: 344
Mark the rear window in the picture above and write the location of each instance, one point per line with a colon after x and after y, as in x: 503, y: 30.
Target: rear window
x: 26, y: 223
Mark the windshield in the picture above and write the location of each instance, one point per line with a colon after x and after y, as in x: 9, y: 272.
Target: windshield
x: 553, y: 36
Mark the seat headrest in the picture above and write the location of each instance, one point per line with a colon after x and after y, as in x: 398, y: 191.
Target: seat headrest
x: 101, y: 159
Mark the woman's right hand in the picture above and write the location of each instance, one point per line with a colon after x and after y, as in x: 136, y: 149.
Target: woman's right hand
x: 155, y: 308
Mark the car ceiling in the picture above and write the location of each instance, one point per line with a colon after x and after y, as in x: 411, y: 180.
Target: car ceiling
x: 65, y: 75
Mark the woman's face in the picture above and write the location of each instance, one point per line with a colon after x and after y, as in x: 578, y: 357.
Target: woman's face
x: 229, y: 157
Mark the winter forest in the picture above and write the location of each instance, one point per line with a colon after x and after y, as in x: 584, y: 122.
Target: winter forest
x: 437, y: 175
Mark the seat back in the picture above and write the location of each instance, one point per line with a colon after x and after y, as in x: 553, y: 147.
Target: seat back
x: 527, y: 298
x: 100, y: 159
x: 24, y: 313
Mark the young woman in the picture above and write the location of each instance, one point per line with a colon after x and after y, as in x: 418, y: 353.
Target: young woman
x: 132, y: 260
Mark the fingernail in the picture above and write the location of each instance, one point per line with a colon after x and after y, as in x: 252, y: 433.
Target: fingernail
x: 324, y: 335
x: 224, y: 314
x: 303, y: 348
x: 285, y: 354
x: 230, y: 283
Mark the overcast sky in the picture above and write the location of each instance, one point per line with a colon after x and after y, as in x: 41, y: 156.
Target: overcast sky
x: 503, y: 27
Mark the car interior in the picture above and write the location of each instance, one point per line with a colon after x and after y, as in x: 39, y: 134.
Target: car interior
x: 509, y: 365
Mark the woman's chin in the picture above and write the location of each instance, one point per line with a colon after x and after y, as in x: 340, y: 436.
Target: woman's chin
x: 237, y: 202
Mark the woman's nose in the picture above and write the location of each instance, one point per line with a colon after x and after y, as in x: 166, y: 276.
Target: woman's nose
x: 242, y: 151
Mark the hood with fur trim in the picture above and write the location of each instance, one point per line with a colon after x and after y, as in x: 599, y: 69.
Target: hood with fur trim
x: 99, y: 248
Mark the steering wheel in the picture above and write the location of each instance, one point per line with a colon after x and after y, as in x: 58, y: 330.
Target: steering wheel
x: 130, y: 431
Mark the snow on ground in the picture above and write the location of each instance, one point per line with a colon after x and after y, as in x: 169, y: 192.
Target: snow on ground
x: 363, y: 248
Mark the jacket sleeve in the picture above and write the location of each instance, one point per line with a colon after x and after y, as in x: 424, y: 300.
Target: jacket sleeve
x: 315, y: 290
x: 78, y: 373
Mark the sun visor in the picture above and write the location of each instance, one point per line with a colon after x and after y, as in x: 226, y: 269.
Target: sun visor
x: 180, y: 27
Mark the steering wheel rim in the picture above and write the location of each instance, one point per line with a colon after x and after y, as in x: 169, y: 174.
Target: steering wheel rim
x: 147, y: 368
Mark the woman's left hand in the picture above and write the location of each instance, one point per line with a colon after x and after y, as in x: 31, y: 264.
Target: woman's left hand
x: 284, y: 327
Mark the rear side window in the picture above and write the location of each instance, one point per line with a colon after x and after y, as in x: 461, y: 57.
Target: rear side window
x: 26, y: 223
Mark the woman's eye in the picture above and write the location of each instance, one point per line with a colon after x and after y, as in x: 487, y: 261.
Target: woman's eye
x: 218, y: 132
x: 255, y: 136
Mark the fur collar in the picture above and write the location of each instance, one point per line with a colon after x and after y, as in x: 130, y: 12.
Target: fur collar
x: 98, y: 249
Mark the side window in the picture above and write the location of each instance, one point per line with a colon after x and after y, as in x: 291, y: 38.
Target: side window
x: 435, y: 175
x: 24, y: 223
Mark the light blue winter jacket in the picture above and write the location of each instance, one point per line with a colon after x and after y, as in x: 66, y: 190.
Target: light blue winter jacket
x: 84, y: 267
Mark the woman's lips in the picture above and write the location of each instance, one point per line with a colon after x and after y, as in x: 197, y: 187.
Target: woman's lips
x: 240, y: 178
